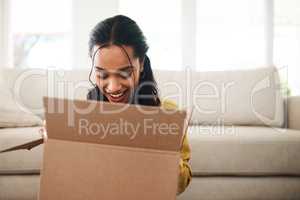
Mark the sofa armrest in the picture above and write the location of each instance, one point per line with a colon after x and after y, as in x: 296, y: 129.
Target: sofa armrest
x: 293, y: 112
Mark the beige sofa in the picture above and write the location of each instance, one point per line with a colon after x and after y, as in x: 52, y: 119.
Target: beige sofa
x: 238, y: 151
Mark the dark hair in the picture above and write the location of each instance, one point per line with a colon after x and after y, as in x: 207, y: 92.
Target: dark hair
x: 121, y: 30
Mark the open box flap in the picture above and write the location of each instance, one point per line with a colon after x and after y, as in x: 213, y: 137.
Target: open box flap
x: 28, y: 146
x: 157, y: 142
x: 114, y: 124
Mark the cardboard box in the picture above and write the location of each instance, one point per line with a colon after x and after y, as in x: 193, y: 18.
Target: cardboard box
x: 98, y: 150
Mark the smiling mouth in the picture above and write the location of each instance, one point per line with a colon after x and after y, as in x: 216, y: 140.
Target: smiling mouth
x: 118, y: 97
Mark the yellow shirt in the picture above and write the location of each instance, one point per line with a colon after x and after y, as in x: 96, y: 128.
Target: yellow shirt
x: 185, y: 174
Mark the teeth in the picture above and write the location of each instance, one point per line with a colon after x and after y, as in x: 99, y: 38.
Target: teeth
x: 116, y: 95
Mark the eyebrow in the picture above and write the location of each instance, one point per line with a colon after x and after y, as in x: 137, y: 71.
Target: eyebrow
x: 121, y: 69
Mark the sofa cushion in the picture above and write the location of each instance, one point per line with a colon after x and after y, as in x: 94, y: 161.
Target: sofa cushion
x: 243, y: 188
x: 293, y: 112
x: 238, y: 150
x: 237, y: 97
x: 19, y: 187
x: 21, y: 161
x: 12, y: 114
x: 72, y: 84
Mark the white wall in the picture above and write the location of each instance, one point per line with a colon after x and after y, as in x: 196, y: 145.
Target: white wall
x: 86, y: 14
x: 1, y: 33
x: 269, y: 30
x: 4, y: 24
x: 188, y: 23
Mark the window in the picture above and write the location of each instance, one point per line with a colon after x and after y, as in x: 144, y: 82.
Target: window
x: 230, y: 34
x: 40, y: 33
x: 160, y: 22
x: 287, y: 40
x: 200, y: 34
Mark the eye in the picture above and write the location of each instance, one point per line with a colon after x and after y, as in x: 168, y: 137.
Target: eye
x: 101, y: 74
x: 125, y: 74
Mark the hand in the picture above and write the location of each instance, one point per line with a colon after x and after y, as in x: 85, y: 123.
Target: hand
x: 43, y: 131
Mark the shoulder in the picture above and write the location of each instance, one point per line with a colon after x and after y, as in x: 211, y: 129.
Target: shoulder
x: 169, y: 104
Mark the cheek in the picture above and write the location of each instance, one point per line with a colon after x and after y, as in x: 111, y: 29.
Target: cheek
x: 100, y: 85
x: 129, y: 83
x: 136, y: 78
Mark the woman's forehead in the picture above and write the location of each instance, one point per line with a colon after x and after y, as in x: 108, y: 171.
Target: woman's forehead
x: 113, y: 57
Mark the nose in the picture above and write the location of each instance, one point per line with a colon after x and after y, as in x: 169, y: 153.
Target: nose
x: 113, y: 85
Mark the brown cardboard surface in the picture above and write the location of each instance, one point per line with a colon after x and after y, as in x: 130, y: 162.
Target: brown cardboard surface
x: 58, y: 128
x: 77, y: 171
x: 86, y: 166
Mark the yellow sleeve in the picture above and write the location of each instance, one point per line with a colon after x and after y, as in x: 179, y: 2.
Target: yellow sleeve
x: 185, y: 174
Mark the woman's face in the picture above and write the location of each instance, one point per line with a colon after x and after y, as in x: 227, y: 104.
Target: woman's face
x: 115, y: 77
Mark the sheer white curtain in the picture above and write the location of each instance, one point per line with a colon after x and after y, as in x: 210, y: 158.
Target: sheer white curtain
x: 287, y: 41
x: 1, y: 35
x: 201, y: 34
x: 161, y: 23
x: 231, y: 34
x: 228, y: 34
x: 40, y: 33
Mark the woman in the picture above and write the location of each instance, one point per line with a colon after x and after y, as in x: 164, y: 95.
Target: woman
x: 123, y: 73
